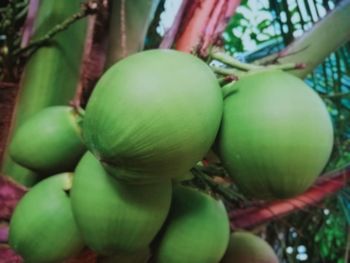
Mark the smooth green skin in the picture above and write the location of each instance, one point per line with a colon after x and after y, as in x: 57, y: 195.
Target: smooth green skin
x: 245, y: 247
x: 197, y: 229
x: 155, y: 113
x: 115, y: 217
x: 276, y: 135
x: 49, y: 142
x: 42, y: 227
x: 51, y: 74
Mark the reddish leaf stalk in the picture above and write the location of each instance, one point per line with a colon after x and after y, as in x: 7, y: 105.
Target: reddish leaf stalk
x: 10, y: 193
x: 230, y: 8
x: 29, y: 23
x: 7, y: 255
x: 4, y: 231
x: 203, y: 24
x: 5, y: 85
x: 325, y: 186
x: 189, y: 39
x: 170, y: 34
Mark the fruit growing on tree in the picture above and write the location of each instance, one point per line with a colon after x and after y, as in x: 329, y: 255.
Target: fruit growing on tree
x: 115, y: 217
x: 245, y: 247
x: 51, y: 74
x: 50, y: 141
x: 43, y: 228
x: 154, y: 115
x: 196, y: 231
x: 276, y: 135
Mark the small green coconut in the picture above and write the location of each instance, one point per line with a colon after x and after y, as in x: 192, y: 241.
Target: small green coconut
x: 113, y: 216
x: 276, y: 135
x: 153, y: 114
x: 245, y: 247
x: 197, y: 229
x: 42, y: 227
x: 49, y: 142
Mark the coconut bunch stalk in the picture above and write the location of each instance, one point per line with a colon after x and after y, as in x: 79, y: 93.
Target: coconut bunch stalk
x: 51, y: 74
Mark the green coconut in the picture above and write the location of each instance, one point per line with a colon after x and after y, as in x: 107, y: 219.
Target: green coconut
x: 42, y: 227
x: 153, y: 114
x: 115, y: 217
x: 197, y: 229
x: 245, y: 247
x: 50, y: 141
x: 276, y: 135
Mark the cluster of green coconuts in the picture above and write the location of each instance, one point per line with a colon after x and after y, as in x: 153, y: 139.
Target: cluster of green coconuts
x: 116, y: 167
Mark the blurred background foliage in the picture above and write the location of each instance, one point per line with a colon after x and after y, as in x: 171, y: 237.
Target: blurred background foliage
x: 12, y: 16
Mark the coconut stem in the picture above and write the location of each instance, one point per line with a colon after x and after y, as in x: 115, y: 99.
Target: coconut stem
x: 229, y: 88
x: 227, y: 79
x: 227, y: 71
x: 231, y: 61
x: 285, y: 66
x: 68, y: 183
x: 88, y: 8
x: 79, y: 111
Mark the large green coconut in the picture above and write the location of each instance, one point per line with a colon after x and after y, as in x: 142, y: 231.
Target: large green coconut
x: 245, y: 247
x: 153, y: 114
x: 115, y: 217
x: 50, y: 141
x: 276, y: 135
x: 196, y: 231
x: 42, y: 228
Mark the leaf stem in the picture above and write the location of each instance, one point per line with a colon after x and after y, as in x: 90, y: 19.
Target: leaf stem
x: 88, y: 8
x: 231, y: 61
x: 227, y: 71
